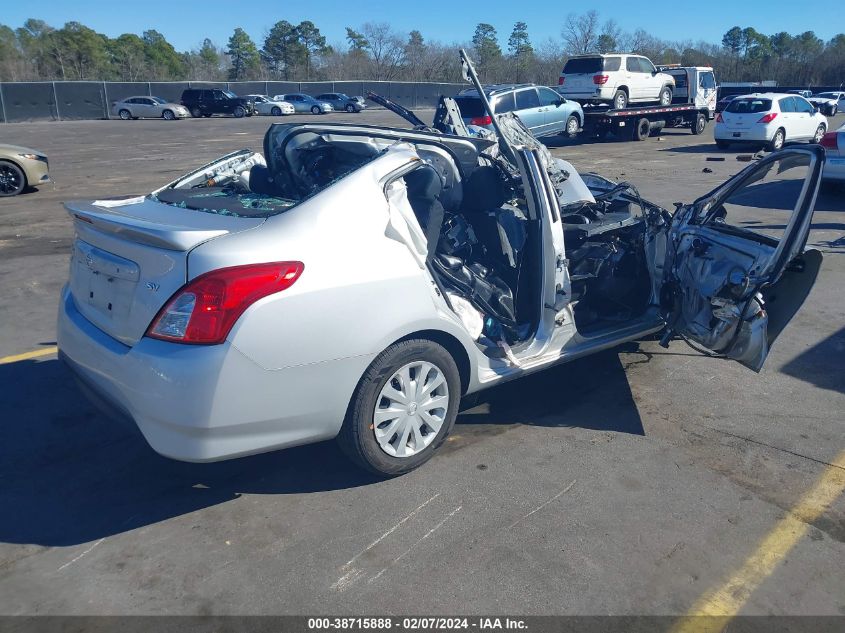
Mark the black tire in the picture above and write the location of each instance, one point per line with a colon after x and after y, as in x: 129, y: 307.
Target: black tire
x: 665, y: 97
x: 168, y: 115
x: 206, y: 115
x: 357, y: 435
x: 819, y: 134
x: 572, y: 126
x: 699, y: 124
x: 276, y: 111
x: 642, y: 129
x: 722, y: 144
x: 239, y: 112
x: 316, y: 110
x: 125, y: 114
x: 777, y: 140
x: 620, y: 100
x: 350, y: 108
x: 196, y: 112
x: 12, y: 179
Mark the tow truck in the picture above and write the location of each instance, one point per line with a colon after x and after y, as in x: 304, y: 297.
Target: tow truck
x: 693, y: 105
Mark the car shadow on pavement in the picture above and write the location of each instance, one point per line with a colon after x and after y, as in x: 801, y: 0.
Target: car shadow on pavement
x: 821, y: 365
x: 70, y: 475
x: 590, y: 393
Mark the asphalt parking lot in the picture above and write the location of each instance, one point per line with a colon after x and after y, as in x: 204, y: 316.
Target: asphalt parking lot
x: 638, y: 481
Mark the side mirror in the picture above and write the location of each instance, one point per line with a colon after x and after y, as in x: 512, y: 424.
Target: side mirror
x: 560, y: 102
x: 816, y: 108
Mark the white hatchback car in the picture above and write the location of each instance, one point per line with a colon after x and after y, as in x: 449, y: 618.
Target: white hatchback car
x: 616, y: 79
x: 834, y: 145
x: 770, y: 119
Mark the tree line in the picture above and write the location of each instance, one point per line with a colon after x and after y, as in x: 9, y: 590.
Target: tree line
x: 376, y: 51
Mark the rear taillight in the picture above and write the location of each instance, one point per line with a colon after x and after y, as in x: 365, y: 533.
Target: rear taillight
x: 768, y: 118
x: 560, y: 81
x: 481, y: 120
x: 204, y: 310
x: 600, y: 80
x: 829, y: 141
x: 719, y: 118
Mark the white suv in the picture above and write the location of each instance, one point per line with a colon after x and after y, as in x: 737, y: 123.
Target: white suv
x: 616, y: 79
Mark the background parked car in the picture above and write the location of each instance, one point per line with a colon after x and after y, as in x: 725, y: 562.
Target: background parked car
x: 20, y: 168
x: 341, y: 101
x: 543, y: 110
x: 306, y: 103
x: 273, y: 107
x: 615, y: 79
x: 722, y: 103
x: 829, y: 102
x: 834, y: 165
x: 769, y: 119
x: 148, y: 108
x: 804, y: 93
x: 205, y: 102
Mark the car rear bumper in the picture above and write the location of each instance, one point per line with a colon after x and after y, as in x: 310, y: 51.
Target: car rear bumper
x: 754, y: 134
x: 834, y: 168
x: 206, y: 403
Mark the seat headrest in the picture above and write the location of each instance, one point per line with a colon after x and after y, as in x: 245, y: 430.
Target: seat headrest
x: 424, y: 183
x: 483, y: 190
x: 261, y: 182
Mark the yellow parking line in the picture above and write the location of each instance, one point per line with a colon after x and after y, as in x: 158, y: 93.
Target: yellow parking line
x: 46, y: 351
x: 726, y: 601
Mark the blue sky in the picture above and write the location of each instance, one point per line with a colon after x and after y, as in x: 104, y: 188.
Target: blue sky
x: 186, y: 23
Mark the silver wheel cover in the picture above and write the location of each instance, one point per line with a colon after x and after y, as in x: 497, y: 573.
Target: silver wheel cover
x: 410, y: 409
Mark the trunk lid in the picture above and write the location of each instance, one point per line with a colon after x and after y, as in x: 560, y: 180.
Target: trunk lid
x: 131, y: 255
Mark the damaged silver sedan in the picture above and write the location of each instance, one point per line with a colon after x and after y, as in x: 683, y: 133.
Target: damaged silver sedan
x: 355, y: 282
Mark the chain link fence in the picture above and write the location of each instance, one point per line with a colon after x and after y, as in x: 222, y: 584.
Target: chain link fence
x: 74, y: 100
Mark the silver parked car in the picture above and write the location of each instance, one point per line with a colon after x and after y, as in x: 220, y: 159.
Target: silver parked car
x: 148, y: 108
x: 356, y: 281
x: 544, y: 111
x: 305, y: 103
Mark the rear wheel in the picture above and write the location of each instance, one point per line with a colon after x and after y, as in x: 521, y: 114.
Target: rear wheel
x: 642, y: 129
x: 666, y: 96
x: 125, y: 114
x: 239, y: 112
x: 819, y: 133
x: 350, y: 108
x: 315, y: 110
x: 620, y: 100
x: 12, y: 179
x: 196, y: 112
x: 699, y: 124
x: 572, y: 125
x: 168, y: 115
x: 777, y: 141
x: 403, y: 408
x: 276, y: 111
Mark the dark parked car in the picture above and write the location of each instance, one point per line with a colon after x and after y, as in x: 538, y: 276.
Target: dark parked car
x: 722, y: 103
x: 205, y: 102
x: 341, y: 101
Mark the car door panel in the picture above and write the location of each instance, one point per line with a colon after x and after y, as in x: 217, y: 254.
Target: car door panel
x: 729, y: 286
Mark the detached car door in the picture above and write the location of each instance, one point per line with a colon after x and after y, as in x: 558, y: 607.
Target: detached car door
x: 736, y: 270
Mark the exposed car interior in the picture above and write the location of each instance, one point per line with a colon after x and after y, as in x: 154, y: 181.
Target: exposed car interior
x: 487, y: 250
